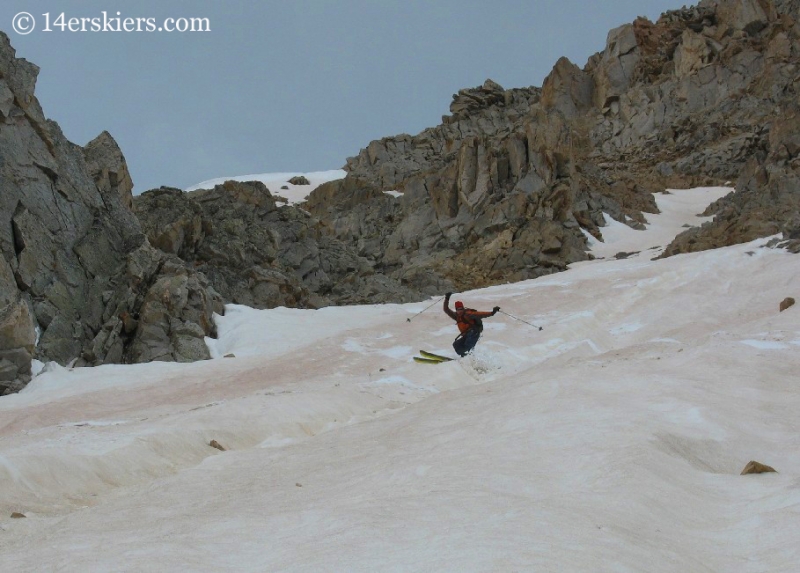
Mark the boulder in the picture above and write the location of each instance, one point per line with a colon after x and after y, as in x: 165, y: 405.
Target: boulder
x: 216, y: 445
x: 299, y: 180
x: 756, y: 468
x: 786, y: 303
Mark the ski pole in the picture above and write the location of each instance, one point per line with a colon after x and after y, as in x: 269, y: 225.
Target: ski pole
x: 424, y: 309
x: 519, y: 319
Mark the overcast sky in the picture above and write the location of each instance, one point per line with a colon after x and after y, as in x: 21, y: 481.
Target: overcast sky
x: 289, y: 85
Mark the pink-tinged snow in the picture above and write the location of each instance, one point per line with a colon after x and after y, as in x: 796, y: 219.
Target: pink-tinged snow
x: 612, y: 440
x: 275, y: 181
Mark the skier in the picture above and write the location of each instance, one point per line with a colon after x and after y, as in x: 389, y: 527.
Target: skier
x: 469, y: 324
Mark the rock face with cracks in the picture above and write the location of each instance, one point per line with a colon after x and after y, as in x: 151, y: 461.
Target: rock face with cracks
x: 79, y: 282
x: 508, y: 186
x: 259, y: 254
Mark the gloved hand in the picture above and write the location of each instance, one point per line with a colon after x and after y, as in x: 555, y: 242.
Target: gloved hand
x: 448, y: 294
x: 495, y: 310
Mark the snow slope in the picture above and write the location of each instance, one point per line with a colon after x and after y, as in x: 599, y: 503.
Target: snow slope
x: 610, y: 441
x: 678, y: 210
x: 276, y: 181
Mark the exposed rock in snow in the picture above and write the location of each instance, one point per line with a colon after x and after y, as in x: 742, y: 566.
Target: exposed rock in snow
x: 754, y: 467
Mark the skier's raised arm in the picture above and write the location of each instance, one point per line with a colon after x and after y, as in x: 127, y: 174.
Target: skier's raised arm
x: 446, y: 307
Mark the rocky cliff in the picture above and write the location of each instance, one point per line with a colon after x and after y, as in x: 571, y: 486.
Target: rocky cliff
x: 79, y: 282
x: 508, y: 185
x: 257, y: 253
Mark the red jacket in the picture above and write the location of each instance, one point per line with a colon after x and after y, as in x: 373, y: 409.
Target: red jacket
x: 466, y: 318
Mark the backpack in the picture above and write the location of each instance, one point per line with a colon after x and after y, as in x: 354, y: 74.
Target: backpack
x: 461, y: 318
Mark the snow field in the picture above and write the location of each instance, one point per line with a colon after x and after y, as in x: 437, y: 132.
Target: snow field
x: 610, y: 441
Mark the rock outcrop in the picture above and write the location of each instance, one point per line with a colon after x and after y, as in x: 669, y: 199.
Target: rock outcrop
x: 299, y: 180
x: 737, y: 66
x: 754, y: 467
x: 108, y: 168
x: 510, y: 184
x: 257, y: 253
x: 75, y: 265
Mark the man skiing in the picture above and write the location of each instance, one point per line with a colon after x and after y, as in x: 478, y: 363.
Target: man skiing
x: 469, y: 324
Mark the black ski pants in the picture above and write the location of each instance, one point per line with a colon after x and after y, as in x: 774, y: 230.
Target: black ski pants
x: 466, y: 341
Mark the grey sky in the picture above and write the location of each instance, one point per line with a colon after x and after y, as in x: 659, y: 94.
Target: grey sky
x: 291, y: 86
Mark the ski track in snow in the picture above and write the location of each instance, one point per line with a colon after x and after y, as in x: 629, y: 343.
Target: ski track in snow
x: 612, y: 440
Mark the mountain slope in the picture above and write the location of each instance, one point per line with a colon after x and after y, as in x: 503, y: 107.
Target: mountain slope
x: 611, y: 439
x: 501, y: 190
